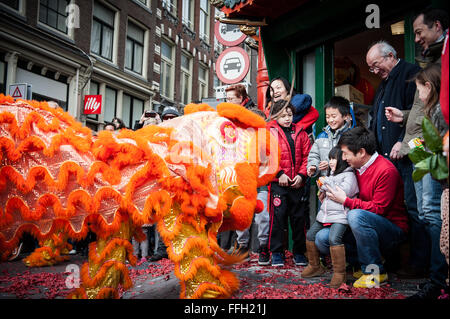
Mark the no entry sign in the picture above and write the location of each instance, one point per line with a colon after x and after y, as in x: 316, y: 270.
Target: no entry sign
x: 232, y: 65
x: 228, y: 34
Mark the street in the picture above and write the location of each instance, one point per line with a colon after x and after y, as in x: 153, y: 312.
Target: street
x: 156, y: 280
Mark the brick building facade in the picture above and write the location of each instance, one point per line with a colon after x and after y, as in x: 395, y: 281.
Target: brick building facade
x: 138, y: 54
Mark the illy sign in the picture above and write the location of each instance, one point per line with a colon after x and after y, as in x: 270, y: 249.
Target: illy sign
x: 92, y: 104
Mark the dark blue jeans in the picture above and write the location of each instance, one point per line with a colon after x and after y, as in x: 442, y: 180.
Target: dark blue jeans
x: 374, y: 235
x: 429, y: 193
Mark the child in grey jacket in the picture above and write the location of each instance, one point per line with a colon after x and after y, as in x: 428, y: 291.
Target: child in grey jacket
x: 337, y: 114
x: 332, y: 214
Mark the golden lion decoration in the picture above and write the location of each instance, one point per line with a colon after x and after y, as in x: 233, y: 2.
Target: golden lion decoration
x: 193, y: 176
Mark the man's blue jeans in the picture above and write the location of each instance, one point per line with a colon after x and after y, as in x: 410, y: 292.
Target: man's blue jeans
x: 374, y: 235
x: 429, y: 193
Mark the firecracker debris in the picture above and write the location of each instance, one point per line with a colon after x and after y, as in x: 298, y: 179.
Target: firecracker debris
x: 156, y: 280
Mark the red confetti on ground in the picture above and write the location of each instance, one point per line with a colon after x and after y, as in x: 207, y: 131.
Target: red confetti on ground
x: 160, y: 268
x: 24, y: 285
x: 298, y: 288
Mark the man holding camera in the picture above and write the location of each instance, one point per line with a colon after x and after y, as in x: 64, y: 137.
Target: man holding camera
x: 147, y: 118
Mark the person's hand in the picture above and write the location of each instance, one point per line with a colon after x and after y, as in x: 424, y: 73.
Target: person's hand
x: 393, y: 114
x: 142, y: 119
x: 297, y: 181
x: 337, y: 195
x: 311, y: 170
x: 395, y: 152
x: 323, y: 165
x: 284, y: 180
x: 321, y: 196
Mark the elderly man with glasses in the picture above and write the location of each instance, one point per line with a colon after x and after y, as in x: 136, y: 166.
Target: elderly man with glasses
x: 395, y: 90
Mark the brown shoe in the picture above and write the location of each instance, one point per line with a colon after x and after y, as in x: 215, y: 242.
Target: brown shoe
x: 338, y: 260
x: 314, y: 267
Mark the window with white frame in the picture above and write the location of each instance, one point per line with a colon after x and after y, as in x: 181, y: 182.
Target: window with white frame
x: 188, y: 13
x: 170, y: 5
x: 110, y: 104
x: 167, y: 70
x: 132, y: 109
x: 186, y: 81
x: 144, y: 2
x: 134, y: 48
x: 202, y: 82
x: 204, y: 20
x: 53, y: 13
x: 102, y: 37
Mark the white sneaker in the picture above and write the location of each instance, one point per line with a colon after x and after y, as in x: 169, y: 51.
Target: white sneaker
x: 72, y: 252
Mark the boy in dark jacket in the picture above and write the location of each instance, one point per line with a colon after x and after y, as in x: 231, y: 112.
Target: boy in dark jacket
x: 286, y: 188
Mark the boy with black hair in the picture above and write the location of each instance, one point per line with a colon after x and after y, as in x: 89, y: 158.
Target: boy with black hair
x: 338, y: 116
x: 286, y: 188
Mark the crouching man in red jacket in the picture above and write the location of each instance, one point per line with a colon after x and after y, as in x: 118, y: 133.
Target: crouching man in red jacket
x: 377, y: 218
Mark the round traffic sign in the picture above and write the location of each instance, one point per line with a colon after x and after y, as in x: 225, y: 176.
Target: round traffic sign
x: 228, y: 34
x: 232, y: 65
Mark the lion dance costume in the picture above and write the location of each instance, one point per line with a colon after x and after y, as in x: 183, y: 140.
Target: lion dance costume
x: 193, y: 176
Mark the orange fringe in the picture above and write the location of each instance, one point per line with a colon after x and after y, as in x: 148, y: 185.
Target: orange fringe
x: 240, y: 115
x: 192, y: 195
x: 101, y: 273
x: 37, y: 259
x: 193, y: 108
x: 114, y: 243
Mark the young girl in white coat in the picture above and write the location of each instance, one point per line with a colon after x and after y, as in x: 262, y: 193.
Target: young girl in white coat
x: 333, y: 215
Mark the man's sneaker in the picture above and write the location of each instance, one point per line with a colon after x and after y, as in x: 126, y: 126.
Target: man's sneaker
x: 264, y: 256
x: 370, y: 281
x: 429, y: 291
x: 300, y: 260
x: 277, y: 260
x: 73, y: 252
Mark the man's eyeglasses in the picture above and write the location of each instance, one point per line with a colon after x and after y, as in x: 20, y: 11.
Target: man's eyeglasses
x: 374, y: 66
